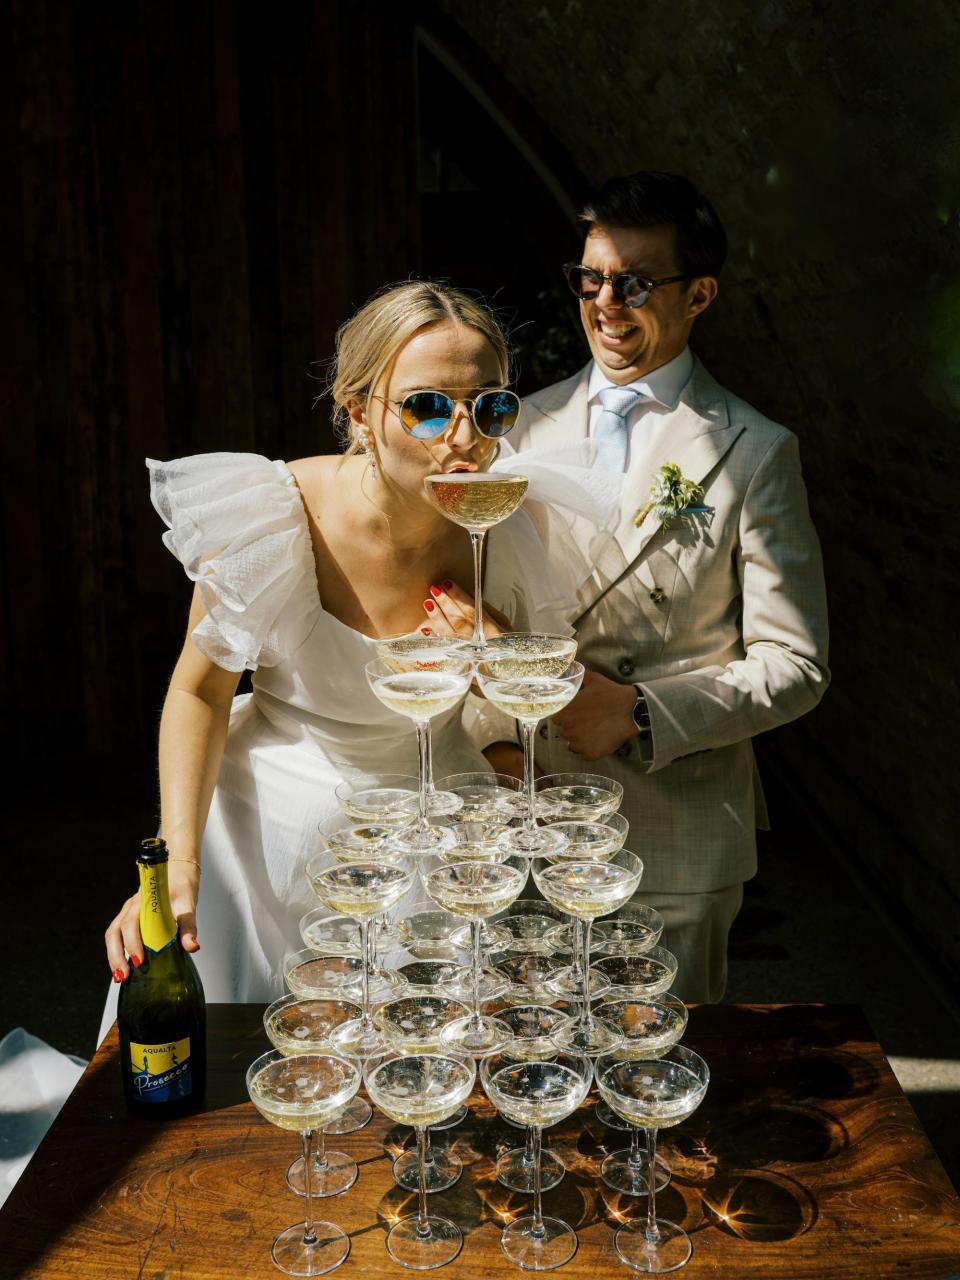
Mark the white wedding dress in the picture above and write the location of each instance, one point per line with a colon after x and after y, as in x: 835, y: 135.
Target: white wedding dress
x: 237, y: 524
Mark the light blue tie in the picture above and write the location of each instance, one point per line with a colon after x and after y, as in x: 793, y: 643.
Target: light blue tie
x: 610, y: 429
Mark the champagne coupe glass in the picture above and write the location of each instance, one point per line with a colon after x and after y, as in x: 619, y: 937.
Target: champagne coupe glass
x: 653, y: 1094
x: 360, y: 890
x: 532, y: 1026
x: 528, y: 975
x: 413, y: 1024
x: 529, y: 699
x: 486, y: 797
x: 586, y: 890
x: 538, y: 1092
x: 303, y: 1094
x: 632, y: 977
x: 596, y: 840
x: 417, y: 652
x: 310, y: 975
x: 421, y: 1089
x: 389, y: 800
x: 529, y: 922
x: 529, y: 653
x: 478, y: 842
x: 294, y: 1027
x: 476, y: 502
x: 428, y: 933
x: 630, y: 932
x: 579, y: 797
x: 421, y: 695
x: 475, y: 890
x: 650, y: 1027
x: 330, y: 935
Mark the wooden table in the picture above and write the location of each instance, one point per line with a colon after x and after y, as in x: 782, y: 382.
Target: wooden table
x: 805, y: 1160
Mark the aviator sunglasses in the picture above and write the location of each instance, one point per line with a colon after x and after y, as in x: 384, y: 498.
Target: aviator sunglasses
x: 632, y: 289
x: 427, y: 414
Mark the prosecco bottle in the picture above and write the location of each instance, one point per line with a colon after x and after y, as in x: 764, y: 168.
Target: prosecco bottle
x: 161, y: 1015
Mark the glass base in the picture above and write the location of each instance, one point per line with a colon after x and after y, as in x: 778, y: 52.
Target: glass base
x: 475, y: 1036
x: 671, y: 1250
x: 537, y: 843
x: 441, y: 804
x: 493, y: 937
x: 358, y: 1037
x: 415, y: 841
x: 383, y: 985
x: 630, y: 1179
x: 555, y: 1245
x: 599, y: 1037
x: 568, y: 984
x: 406, y: 1245
x: 297, y: 1258
x: 443, y: 1171
x: 357, y: 1115
x: 492, y: 985
x: 458, y: 1117
x: 330, y: 1179
x: 513, y: 1170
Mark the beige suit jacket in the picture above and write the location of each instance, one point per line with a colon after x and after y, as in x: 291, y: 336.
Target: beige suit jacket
x: 720, y: 619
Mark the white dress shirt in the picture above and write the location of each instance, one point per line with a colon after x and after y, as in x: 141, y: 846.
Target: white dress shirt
x: 660, y: 390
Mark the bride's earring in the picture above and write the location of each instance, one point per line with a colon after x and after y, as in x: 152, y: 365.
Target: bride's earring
x: 365, y: 441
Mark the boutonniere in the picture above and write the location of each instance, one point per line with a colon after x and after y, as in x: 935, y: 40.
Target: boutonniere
x: 673, y: 497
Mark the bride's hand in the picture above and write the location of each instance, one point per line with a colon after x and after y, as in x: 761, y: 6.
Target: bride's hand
x: 450, y: 612
x: 123, y: 933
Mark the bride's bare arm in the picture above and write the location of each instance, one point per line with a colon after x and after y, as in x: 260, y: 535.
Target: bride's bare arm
x: 193, y: 731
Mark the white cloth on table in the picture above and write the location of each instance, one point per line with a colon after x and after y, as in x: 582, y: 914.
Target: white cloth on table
x: 237, y: 524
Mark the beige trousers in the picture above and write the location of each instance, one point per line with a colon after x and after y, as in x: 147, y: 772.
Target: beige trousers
x: 696, y: 930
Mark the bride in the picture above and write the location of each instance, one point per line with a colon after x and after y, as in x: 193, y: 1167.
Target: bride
x: 298, y: 569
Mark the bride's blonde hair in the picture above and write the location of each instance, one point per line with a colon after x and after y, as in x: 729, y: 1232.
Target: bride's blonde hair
x: 368, y: 342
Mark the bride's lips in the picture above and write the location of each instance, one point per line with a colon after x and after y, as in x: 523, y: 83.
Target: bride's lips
x: 449, y: 468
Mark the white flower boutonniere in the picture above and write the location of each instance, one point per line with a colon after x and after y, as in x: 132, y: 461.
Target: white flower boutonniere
x: 673, y: 497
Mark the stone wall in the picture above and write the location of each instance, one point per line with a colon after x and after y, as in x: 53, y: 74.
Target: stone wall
x: 828, y: 136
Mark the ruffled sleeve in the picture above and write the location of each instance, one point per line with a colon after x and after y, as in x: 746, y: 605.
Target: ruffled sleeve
x: 236, y: 523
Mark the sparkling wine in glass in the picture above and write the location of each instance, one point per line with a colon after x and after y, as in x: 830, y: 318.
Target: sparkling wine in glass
x: 630, y: 932
x: 653, y: 1094
x: 650, y: 1027
x: 536, y: 1092
x: 592, y: 839
x: 421, y: 1089
x: 586, y: 890
x: 579, y: 797
x: 476, y: 891
x: 413, y: 1024
x: 485, y: 797
x: 295, y: 1026
x: 303, y: 1094
x: 514, y: 654
x: 529, y: 699
x: 636, y: 976
x: 420, y: 696
x: 387, y: 799
x: 361, y: 890
x: 476, y: 502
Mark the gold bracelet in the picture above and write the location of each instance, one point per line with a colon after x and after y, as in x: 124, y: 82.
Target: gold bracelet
x: 193, y: 862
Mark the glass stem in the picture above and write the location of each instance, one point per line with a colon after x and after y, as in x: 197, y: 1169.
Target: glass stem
x: 476, y: 545
x: 320, y: 1144
x: 587, y: 1018
x: 652, y: 1231
x: 475, y: 927
x: 429, y: 770
x: 537, y: 1230
x: 635, y: 1159
x: 365, y: 970
x: 529, y: 782
x: 528, y: 1146
x: 423, y: 752
x: 423, y: 1222
x: 306, y: 1141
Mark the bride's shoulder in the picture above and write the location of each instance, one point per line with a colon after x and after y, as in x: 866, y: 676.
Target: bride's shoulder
x: 322, y: 477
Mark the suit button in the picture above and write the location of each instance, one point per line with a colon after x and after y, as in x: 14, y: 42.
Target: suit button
x: 543, y: 731
x: 657, y: 595
x: 625, y: 667
x: 623, y: 751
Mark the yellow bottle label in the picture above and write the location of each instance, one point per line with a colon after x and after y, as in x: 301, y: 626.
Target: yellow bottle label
x: 161, y: 1072
x: 158, y: 925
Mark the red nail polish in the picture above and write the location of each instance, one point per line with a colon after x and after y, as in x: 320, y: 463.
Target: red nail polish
x: 446, y: 585
x: 118, y: 975
x: 136, y: 961
x: 429, y: 606
x: 434, y: 591
x: 425, y: 631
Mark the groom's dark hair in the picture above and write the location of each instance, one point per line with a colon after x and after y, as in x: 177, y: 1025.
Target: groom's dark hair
x: 651, y: 199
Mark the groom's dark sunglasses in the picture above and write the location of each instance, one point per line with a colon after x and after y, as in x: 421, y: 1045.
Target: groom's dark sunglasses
x: 631, y: 289
x: 427, y: 414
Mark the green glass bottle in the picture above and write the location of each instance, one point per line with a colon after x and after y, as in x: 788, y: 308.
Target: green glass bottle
x: 161, y: 1015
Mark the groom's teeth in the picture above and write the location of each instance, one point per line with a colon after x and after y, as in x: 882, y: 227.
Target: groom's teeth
x: 616, y: 330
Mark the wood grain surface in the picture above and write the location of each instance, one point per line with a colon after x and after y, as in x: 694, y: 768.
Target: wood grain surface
x: 804, y: 1161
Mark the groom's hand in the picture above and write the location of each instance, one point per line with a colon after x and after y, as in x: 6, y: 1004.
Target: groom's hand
x: 600, y: 718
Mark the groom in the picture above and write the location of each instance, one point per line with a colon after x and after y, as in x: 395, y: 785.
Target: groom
x: 698, y: 630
